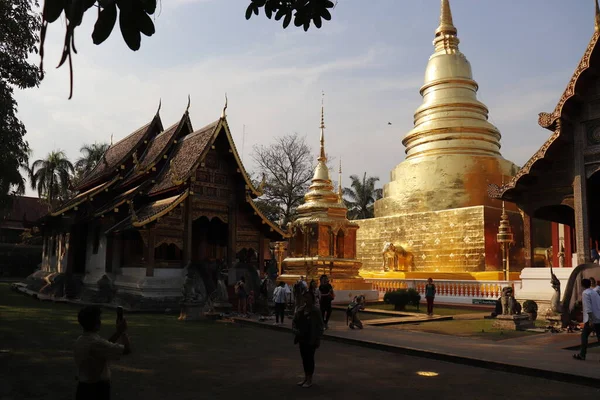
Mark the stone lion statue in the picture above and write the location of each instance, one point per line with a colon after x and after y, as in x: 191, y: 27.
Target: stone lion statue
x: 396, y: 258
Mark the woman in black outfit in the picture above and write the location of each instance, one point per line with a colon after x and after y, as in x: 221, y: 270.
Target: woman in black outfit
x: 308, y: 328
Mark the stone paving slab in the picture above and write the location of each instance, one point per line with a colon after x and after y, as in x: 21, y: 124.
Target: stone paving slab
x: 544, y: 358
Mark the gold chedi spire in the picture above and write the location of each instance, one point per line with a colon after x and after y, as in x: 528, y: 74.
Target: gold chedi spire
x: 340, y: 190
x: 453, y: 151
x: 321, y: 198
x: 451, y: 120
x: 445, y: 34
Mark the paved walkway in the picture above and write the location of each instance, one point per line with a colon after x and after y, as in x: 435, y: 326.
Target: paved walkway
x: 542, y: 355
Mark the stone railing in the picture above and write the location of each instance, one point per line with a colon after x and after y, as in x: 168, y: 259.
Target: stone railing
x: 447, y: 291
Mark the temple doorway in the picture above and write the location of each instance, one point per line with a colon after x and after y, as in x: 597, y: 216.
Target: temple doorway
x: 209, y: 239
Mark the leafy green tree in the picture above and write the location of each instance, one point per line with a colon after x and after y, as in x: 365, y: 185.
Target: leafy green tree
x: 92, y: 154
x: 134, y: 19
x: 18, y: 38
x: 51, y: 177
x: 361, y: 195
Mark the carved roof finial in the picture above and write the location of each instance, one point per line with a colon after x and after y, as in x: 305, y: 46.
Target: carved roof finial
x: 223, y: 114
x: 188, y: 105
x: 263, y: 183
x: 159, y: 105
x: 597, y: 18
x: 322, y: 156
x: 111, y: 139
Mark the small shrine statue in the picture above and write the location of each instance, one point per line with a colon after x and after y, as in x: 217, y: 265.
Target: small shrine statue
x: 510, y: 306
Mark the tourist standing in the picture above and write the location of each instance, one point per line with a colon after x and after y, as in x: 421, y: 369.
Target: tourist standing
x: 315, y: 289
x: 327, y: 296
x: 430, y: 295
x: 242, y: 294
x: 92, y: 354
x: 279, y: 298
x: 308, y: 329
x: 590, y: 300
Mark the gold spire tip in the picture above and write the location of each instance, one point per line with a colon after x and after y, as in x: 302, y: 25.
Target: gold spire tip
x: 322, y: 139
x: 446, y: 23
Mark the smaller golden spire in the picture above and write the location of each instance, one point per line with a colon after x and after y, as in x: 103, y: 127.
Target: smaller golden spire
x: 597, y: 19
x: 340, y: 190
x: 322, y: 156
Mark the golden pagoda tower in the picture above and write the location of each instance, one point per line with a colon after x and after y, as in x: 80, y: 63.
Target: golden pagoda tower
x: 323, y: 240
x: 436, y: 210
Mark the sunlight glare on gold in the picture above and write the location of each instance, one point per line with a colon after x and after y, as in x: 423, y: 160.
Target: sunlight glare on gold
x: 427, y: 373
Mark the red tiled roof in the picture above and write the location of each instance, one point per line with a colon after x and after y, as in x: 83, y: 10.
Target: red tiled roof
x: 116, y: 154
x: 189, y: 150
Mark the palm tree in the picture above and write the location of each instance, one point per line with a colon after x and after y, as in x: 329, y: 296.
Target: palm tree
x: 92, y: 154
x: 52, y: 176
x: 361, y: 196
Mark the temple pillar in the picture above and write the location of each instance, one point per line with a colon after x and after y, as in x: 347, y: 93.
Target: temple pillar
x: 582, y: 224
x: 187, y: 231
x: 232, y: 234
x: 527, y: 239
x: 150, y: 252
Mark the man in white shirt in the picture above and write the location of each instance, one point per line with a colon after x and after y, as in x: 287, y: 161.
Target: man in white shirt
x: 92, y: 354
x: 590, y: 300
x: 595, y: 285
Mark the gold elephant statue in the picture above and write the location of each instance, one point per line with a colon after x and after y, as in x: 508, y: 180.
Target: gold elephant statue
x: 396, y: 258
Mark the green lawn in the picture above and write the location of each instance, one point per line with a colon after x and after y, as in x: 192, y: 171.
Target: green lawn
x: 436, y: 310
x: 479, y: 328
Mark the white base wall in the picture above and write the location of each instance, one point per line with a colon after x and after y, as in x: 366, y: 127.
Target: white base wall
x: 166, y: 282
x: 535, y: 283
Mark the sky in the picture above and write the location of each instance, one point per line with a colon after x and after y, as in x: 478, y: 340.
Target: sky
x: 369, y: 60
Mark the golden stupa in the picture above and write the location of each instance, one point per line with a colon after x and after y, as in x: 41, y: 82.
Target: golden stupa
x: 323, y: 240
x: 435, y: 214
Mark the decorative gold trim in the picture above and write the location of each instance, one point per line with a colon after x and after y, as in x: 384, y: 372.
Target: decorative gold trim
x: 167, y: 210
x: 85, y: 196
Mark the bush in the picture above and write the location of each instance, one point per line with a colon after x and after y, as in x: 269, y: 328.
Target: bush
x: 401, y: 298
x: 530, y: 306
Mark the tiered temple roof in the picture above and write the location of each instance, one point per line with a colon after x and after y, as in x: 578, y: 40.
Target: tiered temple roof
x: 568, y: 104
x: 150, y: 172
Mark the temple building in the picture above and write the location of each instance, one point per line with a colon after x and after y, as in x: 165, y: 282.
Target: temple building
x: 561, y: 182
x: 322, y: 239
x: 159, y: 201
x: 435, y: 216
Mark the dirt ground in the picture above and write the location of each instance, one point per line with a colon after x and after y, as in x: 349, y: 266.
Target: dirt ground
x: 220, y: 360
